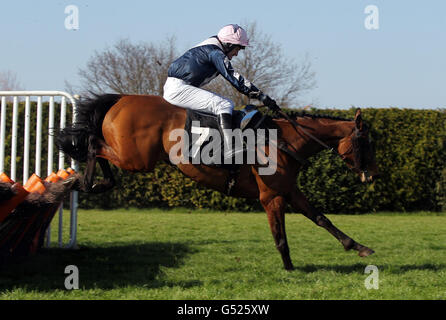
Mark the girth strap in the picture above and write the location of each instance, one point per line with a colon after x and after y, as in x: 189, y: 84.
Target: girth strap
x: 235, y: 169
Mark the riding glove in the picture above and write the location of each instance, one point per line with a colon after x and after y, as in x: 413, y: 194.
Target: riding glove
x: 267, y: 101
x: 254, y: 94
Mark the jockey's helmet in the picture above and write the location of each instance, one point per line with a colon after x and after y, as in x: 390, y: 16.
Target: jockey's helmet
x: 231, y: 35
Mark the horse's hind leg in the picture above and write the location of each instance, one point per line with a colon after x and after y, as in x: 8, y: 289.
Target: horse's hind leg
x: 275, y: 209
x: 300, y: 203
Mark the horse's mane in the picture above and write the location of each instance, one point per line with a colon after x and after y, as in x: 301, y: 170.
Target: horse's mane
x: 303, y: 114
x: 91, y: 111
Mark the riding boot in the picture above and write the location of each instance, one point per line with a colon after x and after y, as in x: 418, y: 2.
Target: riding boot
x: 225, y: 122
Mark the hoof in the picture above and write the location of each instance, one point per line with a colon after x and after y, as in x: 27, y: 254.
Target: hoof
x: 72, y: 182
x: 364, y: 252
x: 288, y: 266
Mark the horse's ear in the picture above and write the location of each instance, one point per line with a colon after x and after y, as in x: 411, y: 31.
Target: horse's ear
x: 358, y: 119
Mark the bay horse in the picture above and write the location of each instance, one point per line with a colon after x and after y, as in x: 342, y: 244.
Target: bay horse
x: 132, y: 132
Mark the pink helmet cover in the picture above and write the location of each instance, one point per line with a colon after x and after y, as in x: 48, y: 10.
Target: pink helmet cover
x: 234, y: 34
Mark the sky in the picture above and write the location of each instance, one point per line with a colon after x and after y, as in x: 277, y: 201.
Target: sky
x: 400, y: 64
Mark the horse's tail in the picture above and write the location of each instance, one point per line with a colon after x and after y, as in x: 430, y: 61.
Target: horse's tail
x: 73, y: 139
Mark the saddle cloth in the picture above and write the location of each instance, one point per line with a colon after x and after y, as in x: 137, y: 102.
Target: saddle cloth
x: 204, y: 136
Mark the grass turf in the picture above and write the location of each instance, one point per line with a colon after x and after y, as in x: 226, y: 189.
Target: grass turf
x: 183, y: 254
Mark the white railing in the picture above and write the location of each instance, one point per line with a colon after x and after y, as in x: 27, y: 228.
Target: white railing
x: 65, y: 97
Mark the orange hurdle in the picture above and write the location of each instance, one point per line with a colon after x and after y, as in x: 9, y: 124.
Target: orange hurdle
x: 7, y: 206
x: 49, y: 214
x: 34, y: 185
x: 24, y: 231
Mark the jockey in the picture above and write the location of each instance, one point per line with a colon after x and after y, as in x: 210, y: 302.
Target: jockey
x: 204, y: 62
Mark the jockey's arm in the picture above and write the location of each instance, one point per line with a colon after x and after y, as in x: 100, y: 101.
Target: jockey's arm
x: 225, y: 68
x: 244, y: 86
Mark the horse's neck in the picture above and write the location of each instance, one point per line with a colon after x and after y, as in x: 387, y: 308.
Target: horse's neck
x: 329, y: 131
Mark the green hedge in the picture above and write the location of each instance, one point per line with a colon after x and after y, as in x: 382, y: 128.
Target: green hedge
x: 410, y: 153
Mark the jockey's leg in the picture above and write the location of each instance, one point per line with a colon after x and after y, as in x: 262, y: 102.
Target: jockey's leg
x: 179, y: 93
x: 225, y: 122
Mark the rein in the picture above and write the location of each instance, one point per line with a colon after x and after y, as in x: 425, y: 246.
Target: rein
x: 323, y: 144
x: 296, y: 125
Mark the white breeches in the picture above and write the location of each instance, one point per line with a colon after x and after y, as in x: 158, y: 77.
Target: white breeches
x: 177, y: 92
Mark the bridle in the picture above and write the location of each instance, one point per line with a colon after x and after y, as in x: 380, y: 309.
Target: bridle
x: 360, y: 168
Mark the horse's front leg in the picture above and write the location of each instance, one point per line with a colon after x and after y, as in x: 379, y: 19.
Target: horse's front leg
x: 87, y: 184
x: 90, y: 169
x: 108, y: 182
x: 275, y: 208
x: 300, y: 203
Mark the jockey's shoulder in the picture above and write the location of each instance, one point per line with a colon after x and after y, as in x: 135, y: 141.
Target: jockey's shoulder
x: 211, y: 43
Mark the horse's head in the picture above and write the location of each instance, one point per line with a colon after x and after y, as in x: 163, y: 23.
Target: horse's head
x: 357, y: 151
